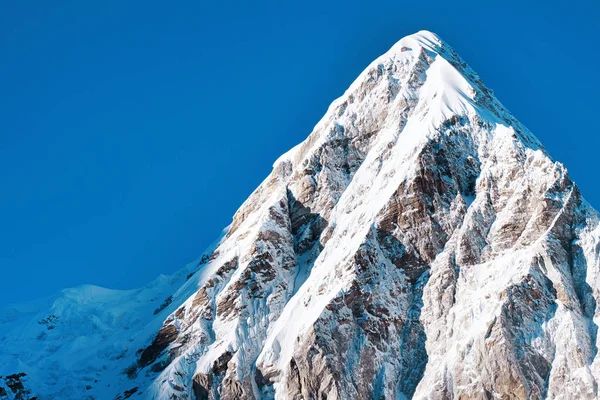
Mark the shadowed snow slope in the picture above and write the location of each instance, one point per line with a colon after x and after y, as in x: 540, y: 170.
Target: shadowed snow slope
x: 419, y: 244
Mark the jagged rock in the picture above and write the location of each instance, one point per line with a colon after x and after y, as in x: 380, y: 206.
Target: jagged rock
x: 419, y: 244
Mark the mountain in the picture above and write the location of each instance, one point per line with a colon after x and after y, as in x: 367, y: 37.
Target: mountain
x: 419, y: 244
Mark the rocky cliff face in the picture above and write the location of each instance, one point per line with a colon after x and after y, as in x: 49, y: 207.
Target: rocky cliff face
x: 419, y: 244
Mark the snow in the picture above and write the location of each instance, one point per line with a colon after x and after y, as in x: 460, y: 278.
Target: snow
x: 288, y: 156
x: 95, y: 334
x: 405, y: 101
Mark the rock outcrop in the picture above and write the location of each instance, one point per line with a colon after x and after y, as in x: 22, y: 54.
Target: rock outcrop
x: 419, y: 244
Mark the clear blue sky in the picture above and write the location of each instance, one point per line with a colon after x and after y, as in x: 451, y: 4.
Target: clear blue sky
x: 130, y: 132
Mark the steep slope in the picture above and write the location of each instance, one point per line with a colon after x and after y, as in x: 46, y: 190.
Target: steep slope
x: 420, y: 243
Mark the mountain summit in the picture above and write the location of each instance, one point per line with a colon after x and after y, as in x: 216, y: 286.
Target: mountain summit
x: 419, y: 244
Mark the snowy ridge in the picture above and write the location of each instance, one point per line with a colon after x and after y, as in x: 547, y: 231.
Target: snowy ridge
x: 420, y: 243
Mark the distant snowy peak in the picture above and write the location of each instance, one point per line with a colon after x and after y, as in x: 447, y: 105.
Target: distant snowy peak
x: 419, y: 244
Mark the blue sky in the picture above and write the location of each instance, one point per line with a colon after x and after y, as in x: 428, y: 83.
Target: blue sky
x: 130, y: 132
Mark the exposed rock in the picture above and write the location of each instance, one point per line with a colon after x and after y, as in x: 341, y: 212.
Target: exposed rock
x: 419, y: 244
x: 16, y: 387
x: 164, y: 305
x: 166, y: 335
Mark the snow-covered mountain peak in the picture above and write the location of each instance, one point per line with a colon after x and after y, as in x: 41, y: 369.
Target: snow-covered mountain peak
x: 419, y: 243
x: 422, y: 39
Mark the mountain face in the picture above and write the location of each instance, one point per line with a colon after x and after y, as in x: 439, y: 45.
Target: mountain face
x: 419, y: 244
